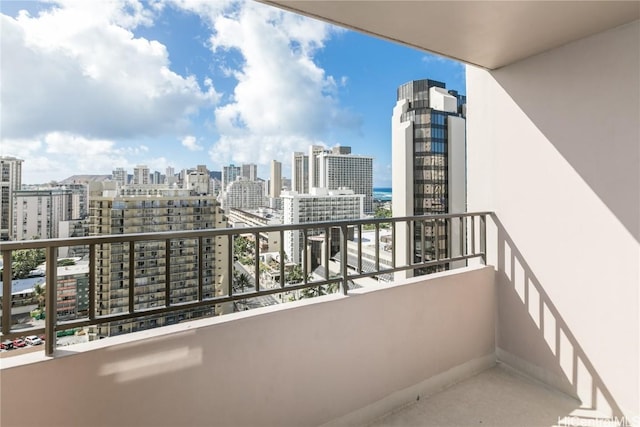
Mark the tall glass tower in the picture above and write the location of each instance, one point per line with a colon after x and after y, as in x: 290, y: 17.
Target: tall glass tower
x: 428, y: 138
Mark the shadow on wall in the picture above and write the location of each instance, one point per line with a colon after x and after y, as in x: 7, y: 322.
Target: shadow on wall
x: 598, y: 95
x: 529, y: 323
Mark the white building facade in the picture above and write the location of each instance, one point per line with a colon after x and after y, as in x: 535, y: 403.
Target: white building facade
x: 229, y: 174
x: 38, y: 213
x: 141, y: 175
x: 243, y: 194
x: 333, y: 169
x: 250, y: 171
x: 320, y: 205
x: 10, y: 181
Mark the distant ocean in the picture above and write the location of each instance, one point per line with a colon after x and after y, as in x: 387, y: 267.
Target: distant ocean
x: 382, y: 194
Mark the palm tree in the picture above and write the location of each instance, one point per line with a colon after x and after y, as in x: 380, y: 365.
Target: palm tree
x: 241, y: 280
x: 39, y: 290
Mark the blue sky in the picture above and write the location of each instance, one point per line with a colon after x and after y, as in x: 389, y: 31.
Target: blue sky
x: 90, y: 86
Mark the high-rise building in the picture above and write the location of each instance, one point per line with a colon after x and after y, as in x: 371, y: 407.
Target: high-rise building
x: 314, y: 165
x: 275, y: 183
x: 197, y: 181
x: 134, y: 211
x: 428, y: 161
x: 250, y: 171
x: 170, y: 177
x: 10, y: 181
x: 73, y: 228
x: 119, y: 175
x: 300, y: 173
x: 320, y: 205
x: 141, y: 175
x: 156, y: 178
x: 229, y: 174
x: 38, y: 213
x: 80, y: 200
x: 337, y: 168
x: 243, y: 194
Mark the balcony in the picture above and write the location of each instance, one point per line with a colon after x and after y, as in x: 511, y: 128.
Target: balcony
x: 330, y: 347
x: 354, y: 357
x: 552, y: 149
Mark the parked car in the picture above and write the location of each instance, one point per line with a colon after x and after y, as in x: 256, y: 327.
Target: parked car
x: 18, y: 342
x: 33, y: 340
x: 6, y: 345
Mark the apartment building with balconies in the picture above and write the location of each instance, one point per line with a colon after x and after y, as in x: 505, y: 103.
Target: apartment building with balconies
x: 38, y: 213
x: 10, y: 181
x: 153, y: 208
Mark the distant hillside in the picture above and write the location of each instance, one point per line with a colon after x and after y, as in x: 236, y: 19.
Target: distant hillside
x: 83, y: 179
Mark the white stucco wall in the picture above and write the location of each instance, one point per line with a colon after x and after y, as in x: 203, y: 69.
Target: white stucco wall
x: 554, y: 149
x: 306, y: 363
x: 402, y: 179
x: 440, y: 99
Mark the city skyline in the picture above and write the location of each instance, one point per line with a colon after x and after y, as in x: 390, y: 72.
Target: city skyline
x: 221, y: 83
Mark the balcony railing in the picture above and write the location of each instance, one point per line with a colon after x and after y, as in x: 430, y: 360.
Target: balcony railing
x: 464, y: 234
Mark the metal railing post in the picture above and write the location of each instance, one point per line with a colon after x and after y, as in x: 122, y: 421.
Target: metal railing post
x: 282, y: 255
x: 393, y: 239
x: 305, y: 261
x: 6, y: 291
x: 411, y: 244
x: 436, y: 238
x: 473, y: 235
x: 359, y: 248
x: 230, y: 264
x: 92, y: 281
x: 483, y: 238
x: 132, y: 269
x: 51, y: 309
x: 461, y: 231
x: 327, y: 245
x: 256, y: 255
x: 377, y: 245
x: 423, y: 249
x: 343, y: 259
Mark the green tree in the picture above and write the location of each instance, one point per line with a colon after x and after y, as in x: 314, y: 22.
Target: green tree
x: 295, y: 275
x: 25, y: 260
x: 382, y: 213
x: 241, y: 245
x: 65, y: 262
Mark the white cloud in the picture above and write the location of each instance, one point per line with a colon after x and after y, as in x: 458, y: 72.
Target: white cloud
x: 283, y: 100
x: 77, y: 85
x: 55, y: 154
x: 191, y: 143
x: 78, y: 68
x: 432, y: 58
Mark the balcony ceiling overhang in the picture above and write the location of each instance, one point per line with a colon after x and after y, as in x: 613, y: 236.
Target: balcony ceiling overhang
x: 489, y: 34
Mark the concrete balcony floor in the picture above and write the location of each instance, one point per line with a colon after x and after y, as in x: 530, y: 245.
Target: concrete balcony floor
x: 499, y: 396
